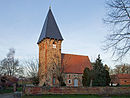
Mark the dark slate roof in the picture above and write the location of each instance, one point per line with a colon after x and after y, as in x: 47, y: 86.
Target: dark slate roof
x: 50, y: 28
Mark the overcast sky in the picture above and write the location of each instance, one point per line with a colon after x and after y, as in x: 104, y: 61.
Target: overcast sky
x: 80, y: 23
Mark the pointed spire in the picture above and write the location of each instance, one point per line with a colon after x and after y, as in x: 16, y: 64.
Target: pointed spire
x: 50, y: 28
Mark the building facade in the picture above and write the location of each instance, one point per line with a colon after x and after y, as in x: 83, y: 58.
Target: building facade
x: 51, y: 60
x: 121, y: 79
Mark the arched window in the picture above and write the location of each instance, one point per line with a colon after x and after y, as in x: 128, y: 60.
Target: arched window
x: 75, y: 82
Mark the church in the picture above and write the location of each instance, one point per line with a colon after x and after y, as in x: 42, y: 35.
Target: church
x: 52, y: 62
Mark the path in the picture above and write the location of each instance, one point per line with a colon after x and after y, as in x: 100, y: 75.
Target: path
x: 10, y: 95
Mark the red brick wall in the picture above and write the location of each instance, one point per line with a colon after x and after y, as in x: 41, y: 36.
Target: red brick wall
x: 79, y: 90
x: 47, y: 58
x: 124, y: 81
x: 72, y: 77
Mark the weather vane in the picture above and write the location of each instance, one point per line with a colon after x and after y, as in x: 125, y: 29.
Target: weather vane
x: 50, y: 4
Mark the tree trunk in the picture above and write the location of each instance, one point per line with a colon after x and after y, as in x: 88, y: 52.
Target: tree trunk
x: 91, y: 82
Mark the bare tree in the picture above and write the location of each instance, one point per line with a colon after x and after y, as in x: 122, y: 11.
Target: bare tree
x: 10, y: 66
x: 57, y: 69
x: 111, y: 71
x: 31, y: 68
x: 125, y: 68
x: 118, y: 18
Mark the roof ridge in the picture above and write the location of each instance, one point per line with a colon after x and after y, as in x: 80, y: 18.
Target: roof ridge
x: 74, y: 54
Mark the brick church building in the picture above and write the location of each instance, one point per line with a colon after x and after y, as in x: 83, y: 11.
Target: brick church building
x: 50, y: 56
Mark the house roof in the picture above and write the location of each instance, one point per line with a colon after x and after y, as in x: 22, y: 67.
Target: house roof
x: 75, y: 63
x: 123, y: 76
x: 50, y: 28
x: 116, y: 78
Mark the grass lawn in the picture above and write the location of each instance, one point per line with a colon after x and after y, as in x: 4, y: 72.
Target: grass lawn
x: 73, y: 96
x: 124, y: 86
x: 121, y: 96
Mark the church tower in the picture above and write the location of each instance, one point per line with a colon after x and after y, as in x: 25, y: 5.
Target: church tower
x: 49, y: 49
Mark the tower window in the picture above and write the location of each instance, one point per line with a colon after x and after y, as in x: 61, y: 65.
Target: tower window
x: 54, y: 45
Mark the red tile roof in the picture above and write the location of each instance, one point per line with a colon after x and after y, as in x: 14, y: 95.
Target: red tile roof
x: 123, y: 76
x: 117, y: 77
x: 75, y: 63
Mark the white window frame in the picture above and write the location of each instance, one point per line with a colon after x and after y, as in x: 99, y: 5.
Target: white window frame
x: 54, y: 45
x: 70, y: 81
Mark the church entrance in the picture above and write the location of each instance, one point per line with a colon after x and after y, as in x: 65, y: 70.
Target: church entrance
x: 54, y: 81
x: 75, y: 82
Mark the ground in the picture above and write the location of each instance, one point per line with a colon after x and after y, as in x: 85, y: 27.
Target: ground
x: 9, y: 95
